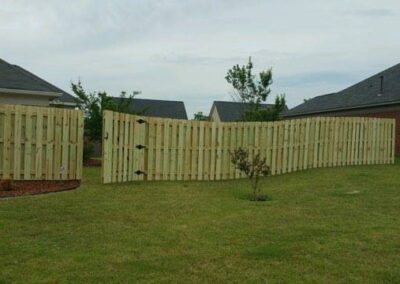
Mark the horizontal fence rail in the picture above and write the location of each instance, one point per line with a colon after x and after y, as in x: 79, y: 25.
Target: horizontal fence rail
x: 145, y: 148
x: 39, y: 143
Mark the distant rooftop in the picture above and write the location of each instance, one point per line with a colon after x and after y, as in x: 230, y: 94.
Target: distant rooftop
x: 380, y: 89
x: 17, y: 78
x: 158, y: 108
x: 233, y: 111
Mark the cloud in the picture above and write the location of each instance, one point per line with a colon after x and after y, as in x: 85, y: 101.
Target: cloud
x: 183, y: 49
x: 375, y: 12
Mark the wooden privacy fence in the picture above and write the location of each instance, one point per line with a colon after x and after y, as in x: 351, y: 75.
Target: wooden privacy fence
x: 144, y: 148
x: 38, y: 143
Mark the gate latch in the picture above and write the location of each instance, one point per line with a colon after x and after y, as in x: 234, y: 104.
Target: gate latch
x: 140, y: 146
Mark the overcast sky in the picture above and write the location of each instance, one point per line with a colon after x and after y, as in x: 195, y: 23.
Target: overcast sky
x: 181, y: 50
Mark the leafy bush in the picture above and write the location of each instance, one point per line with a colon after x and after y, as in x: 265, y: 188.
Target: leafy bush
x: 253, y: 169
x: 88, y: 150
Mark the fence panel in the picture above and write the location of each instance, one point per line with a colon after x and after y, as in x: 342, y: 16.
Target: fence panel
x: 38, y: 143
x: 143, y: 148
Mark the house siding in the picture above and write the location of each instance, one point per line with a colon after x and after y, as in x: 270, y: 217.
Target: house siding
x: 214, y: 115
x: 18, y: 99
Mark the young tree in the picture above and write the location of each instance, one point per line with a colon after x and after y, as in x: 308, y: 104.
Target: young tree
x: 252, y: 91
x: 200, y: 116
x: 93, y: 103
x: 253, y: 169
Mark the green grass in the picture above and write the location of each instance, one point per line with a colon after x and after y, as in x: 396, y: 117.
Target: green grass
x: 325, y: 225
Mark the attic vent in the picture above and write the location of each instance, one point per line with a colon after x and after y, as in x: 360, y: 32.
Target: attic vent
x: 381, y: 89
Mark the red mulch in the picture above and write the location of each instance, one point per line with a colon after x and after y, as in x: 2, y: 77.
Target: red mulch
x: 11, y: 188
x: 92, y: 163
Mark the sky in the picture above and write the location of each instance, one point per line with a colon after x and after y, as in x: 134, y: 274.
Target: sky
x: 181, y: 50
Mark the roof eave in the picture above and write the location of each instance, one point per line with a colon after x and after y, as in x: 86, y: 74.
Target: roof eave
x: 341, y: 109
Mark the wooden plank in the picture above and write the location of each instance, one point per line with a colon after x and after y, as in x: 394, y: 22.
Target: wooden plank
x: 7, y: 143
x: 393, y: 138
x: 326, y: 142
x: 65, y: 144
x: 131, y: 150
x: 181, y: 146
x: 195, y: 150
x: 296, y: 145
x: 73, y: 145
x: 150, y: 147
x: 331, y: 144
x: 174, y: 147
x: 381, y: 141
x: 286, y: 125
x: 317, y: 142
x: 225, y: 153
x: 28, y: 145
x: 274, y: 149
x: 17, y: 143
x: 306, y: 142
x: 79, y: 150
x: 207, y: 152
x: 361, y: 142
x: 125, y: 150
x: 165, y: 171
x: 232, y: 148
x: 49, y: 144
x: 107, y: 146
x: 279, y: 147
x: 213, y: 150
x: 158, y: 140
x: 188, y: 156
x: 200, y: 151
x: 300, y: 144
x: 142, y: 129
x: 291, y: 125
x: 384, y: 145
x: 218, y: 157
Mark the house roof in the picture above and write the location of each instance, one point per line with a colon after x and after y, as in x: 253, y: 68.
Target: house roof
x: 157, y: 108
x: 366, y: 93
x: 233, y: 111
x: 17, y: 78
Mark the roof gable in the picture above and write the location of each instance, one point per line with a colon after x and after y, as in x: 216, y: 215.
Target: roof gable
x: 366, y: 93
x: 157, y: 108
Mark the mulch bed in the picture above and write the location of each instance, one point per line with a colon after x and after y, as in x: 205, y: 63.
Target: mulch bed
x: 11, y: 188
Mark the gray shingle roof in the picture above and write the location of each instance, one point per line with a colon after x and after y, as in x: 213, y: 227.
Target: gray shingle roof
x: 366, y: 93
x: 158, y: 108
x: 16, y: 77
x: 233, y: 111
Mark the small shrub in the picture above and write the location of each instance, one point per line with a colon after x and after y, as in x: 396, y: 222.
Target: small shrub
x: 253, y: 169
x: 88, y: 150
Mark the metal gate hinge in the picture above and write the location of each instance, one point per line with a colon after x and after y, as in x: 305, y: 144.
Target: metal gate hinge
x: 139, y: 172
x: 140, y: 147
x: 140, y: 121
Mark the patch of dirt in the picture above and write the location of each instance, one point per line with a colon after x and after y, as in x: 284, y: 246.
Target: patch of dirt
x: 12, y: 188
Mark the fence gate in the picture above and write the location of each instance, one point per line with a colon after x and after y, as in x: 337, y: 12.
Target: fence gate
x: 146, y: 148
x: 124, y: 147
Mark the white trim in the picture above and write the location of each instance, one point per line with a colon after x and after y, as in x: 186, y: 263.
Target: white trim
x: 30, y: 92
x: 56, y: 102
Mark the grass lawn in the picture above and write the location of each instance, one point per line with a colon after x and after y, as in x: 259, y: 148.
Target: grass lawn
x: 322, y: 226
